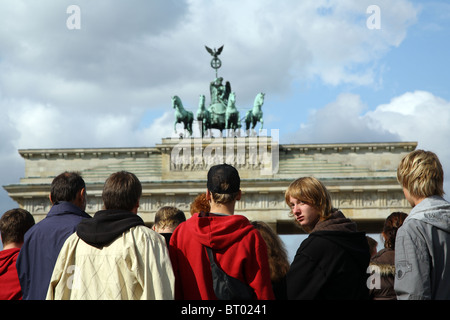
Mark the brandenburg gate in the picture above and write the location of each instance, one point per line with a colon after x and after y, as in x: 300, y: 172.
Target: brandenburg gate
x: 360, y: 176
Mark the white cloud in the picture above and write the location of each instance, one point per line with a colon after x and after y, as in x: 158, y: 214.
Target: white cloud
x: 414, y: 116
x: 139, y: 53
x: 342, y: 121
x: 419, y: 116
x: 92, y: 87
x: 128, y: 58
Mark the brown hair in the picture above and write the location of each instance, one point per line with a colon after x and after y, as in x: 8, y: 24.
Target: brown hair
x: 313, y: 192
x: 276, y: 251
x: 421, y: 173
x: 200, y: 204
x: 65, y: 186
x: 390, y: 228
x: 13, y: 225
x: 122, y: 190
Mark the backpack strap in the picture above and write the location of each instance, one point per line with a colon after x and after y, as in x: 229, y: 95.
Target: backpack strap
x: 210, y: 256
x: 226, y: 287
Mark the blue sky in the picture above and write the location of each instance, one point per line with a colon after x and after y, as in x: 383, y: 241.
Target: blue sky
x: 327, y: 77
x: 420, y: 62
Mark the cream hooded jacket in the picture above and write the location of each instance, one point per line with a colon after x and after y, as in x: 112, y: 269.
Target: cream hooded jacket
x: 136, y: 265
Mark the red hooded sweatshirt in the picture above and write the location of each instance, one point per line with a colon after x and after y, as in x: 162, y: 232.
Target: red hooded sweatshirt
x: 239, y: 250
x: 9, y: 280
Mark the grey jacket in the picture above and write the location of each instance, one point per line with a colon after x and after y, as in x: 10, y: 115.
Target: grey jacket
x: 422, y: 245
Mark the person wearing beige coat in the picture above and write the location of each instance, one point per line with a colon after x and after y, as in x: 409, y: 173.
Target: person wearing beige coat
x: 114, y: 256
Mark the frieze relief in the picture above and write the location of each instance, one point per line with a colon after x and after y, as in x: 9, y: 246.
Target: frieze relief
x: 249, y: 201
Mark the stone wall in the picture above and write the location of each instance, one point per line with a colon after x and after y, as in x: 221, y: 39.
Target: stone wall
x: 361, y: 176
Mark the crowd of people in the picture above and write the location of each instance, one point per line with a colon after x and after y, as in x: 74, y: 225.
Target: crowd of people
x: 217, y: 254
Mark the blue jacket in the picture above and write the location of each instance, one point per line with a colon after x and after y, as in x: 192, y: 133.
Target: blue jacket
x: 41, y: 247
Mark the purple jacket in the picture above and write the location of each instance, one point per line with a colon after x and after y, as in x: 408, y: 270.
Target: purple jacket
x: 41, y: 247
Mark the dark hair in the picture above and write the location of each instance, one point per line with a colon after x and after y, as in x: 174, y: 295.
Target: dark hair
x: 13, y: 225
x: 391, y: 225
x: 66, y: 186
x: 122, y: 190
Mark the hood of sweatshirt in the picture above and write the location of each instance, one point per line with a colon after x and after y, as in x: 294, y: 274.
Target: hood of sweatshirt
x: 106, y: 226
x: 344, y: 232
x: 217, y: 231
x: 433, y: 210
x: 7, y: 257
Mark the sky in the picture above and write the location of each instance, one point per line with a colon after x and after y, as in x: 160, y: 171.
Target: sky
x: 103, y: 75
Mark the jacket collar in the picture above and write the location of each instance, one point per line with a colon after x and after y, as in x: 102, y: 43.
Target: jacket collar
x: 65, y: 207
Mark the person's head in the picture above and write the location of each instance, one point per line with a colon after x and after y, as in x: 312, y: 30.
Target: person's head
x: 122, y: 191
x: 310, y: 202
x: 391, y: 225
x: 70, y: 187
x: 200, y: 204
x: 167, y: 219
x: 224, y: 184
x: 276, y: 251
x: 13, y: 225
x: 420, y: 174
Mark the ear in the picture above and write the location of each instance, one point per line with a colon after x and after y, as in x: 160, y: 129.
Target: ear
x: 136, y: 207
x: 208, y: 195
x: 81, y: 195
x: 50, y: 198
x: 239, y: 195
x: 80, y: 199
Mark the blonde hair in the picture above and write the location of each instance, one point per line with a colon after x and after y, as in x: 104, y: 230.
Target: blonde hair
x: 421, y: 173
x: 313, y: 192
x: 169, y: 217
x: 224, y: 198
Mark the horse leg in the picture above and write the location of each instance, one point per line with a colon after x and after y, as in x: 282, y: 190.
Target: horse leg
x: 190, y: 129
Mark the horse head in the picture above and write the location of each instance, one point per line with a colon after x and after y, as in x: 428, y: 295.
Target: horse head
x: 259, y: 100
x: 201, y: 102
x: 176, y: 102
x: 232, y: 100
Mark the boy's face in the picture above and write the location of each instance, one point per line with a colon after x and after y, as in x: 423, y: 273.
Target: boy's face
x: 306, y: 215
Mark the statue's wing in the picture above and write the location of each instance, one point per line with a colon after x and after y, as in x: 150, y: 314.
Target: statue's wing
x: 209, y: 50
x: 219, y: 51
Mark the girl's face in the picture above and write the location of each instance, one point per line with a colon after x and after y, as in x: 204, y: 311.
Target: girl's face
x: 306, y: 215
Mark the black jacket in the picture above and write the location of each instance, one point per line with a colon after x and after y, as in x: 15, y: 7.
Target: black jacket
x: 331, y: 263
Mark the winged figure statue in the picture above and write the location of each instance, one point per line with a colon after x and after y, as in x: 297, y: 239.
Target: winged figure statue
x: 215, y: 53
